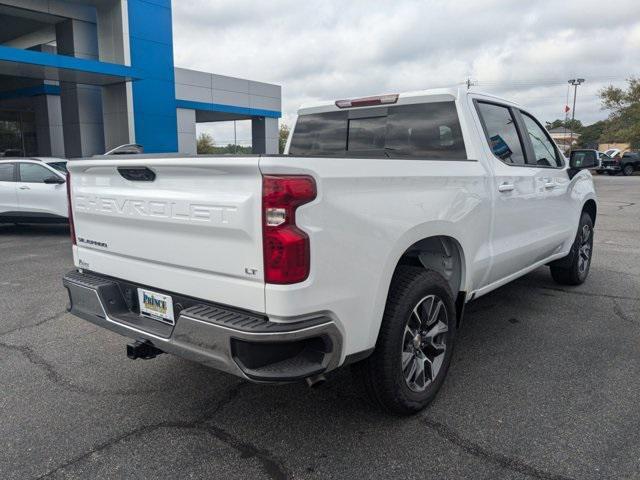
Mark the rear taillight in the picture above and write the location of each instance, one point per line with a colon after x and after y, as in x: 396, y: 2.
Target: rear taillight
x: 72, y: 229
x: 285, y: 246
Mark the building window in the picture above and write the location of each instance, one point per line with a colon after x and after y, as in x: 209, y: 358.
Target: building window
x: 17, y: 134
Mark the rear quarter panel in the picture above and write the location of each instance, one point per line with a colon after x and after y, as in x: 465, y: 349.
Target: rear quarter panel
x: 367, y: 213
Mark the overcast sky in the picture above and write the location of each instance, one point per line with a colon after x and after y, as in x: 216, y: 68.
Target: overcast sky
x: 329, y: 49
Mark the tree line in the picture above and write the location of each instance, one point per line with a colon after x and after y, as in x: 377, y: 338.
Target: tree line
x: 207, y: 145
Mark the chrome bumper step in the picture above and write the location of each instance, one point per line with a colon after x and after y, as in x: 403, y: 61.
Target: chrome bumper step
x: 246, y: 344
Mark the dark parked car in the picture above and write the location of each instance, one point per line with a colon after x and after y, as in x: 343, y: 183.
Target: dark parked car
x: 11, y: 152
x: 627, y: 164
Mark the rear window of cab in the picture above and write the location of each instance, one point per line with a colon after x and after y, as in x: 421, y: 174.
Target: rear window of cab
x: 416, y: 131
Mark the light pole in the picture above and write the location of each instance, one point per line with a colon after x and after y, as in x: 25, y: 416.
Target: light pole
x: 575, y: 82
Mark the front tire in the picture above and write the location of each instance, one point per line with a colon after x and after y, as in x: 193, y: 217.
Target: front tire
x: 415, y: 342
x: 627, y: 170
x: 574, y: 269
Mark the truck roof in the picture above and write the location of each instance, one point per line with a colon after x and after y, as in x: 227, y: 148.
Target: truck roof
x: 417, y: 96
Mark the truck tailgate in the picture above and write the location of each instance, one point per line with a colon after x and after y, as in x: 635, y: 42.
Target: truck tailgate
x: 195, y: 229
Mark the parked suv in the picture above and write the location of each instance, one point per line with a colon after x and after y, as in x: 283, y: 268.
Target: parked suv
x: 32, y: 190
x: 359, y: 246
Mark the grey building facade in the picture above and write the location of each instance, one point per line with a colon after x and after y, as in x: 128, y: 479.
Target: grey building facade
x: 78, y: 78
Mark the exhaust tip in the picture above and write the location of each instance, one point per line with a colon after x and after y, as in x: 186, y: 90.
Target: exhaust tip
x: 315, y: 380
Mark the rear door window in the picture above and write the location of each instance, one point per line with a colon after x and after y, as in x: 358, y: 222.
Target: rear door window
x: 420, y: 131
x: 7, y: 172
x: 502, y: 134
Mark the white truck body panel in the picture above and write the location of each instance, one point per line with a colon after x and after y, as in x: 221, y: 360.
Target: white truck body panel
x: 388, y: 207
x: 196, y: 229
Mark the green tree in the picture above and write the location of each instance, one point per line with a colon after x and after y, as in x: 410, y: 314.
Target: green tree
x: 623, y: 124
x: 284, y: 134
x: 590, y: 134
x: 616, y: 99
x: 235, y: 149
x: 205, y: 144
x: 555, y: 124
x: 575, y: 125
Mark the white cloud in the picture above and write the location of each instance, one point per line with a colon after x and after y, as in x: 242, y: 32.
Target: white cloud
x: 327, y: 49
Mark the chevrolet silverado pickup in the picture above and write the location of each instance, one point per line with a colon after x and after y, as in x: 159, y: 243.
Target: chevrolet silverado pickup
x: 360, y: 245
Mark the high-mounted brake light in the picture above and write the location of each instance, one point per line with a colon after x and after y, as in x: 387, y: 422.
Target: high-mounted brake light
x: 72, y: 229
x: 368, y: 101
x: 285, y: 246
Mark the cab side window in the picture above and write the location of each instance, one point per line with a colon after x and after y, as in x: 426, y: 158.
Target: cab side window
x: 34, y: 173
x: 500, y: 127
x: 546, y: 155
x: 7, y: 172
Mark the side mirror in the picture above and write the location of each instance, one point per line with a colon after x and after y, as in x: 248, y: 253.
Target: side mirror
x: 581, y: 159
x: 54, y: 180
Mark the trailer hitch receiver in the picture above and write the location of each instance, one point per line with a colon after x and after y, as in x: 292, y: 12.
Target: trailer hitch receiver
x: 143, y: 349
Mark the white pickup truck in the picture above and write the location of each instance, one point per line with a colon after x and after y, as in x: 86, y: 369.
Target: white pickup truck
x: 361, y: 245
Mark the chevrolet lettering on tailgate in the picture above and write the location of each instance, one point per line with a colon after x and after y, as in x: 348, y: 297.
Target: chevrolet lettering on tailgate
x: 219, y: 214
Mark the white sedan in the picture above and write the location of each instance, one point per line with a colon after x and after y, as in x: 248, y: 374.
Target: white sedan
x: 32, y: 190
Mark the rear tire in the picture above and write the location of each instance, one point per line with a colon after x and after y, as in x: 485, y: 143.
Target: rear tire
x: 415, y: 343
x: 574, y: 269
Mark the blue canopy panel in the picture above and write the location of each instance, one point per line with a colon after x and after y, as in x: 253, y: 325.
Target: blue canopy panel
x: 47, y: 66
x: 214, y: 112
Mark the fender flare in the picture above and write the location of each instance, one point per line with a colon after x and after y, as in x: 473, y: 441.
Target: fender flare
x: 404, y: 244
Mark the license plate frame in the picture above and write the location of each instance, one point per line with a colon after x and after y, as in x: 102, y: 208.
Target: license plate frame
x: 155, y: 305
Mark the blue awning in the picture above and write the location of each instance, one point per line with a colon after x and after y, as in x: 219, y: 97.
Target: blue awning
x: 46, y: 66
x: 228, y: 112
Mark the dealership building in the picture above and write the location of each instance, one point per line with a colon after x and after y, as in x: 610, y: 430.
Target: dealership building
x: 78, y: 78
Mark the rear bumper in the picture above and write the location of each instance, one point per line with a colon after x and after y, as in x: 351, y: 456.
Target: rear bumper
x: 238, y: 342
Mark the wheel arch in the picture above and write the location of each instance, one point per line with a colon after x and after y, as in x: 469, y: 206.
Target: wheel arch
x: 591, y: 208
x: 443, y: 254
x: 440, y: 253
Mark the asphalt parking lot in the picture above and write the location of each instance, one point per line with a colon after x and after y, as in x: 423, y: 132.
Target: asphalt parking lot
x: 545, y: 384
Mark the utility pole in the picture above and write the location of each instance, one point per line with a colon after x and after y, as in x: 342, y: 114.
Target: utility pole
x: 566, y: 112
x: 575, y: 82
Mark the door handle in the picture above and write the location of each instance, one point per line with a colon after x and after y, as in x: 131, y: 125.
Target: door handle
x: 24, y: 187
x: 549, y: 185
x: 505, y: 187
